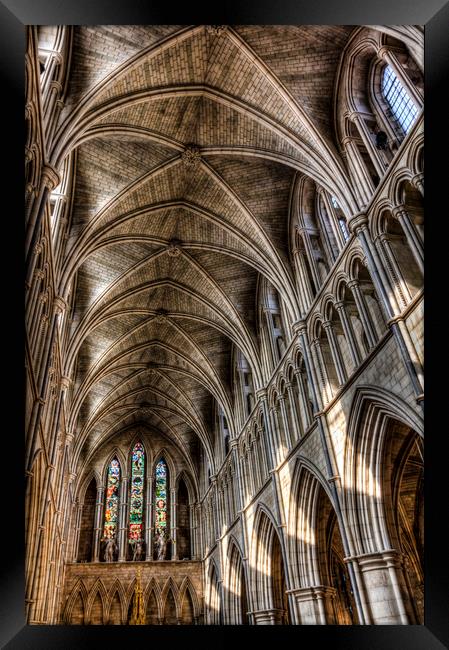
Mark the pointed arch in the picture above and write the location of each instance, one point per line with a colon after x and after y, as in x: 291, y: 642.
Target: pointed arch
x: 96, y: 603
x: 187, y: 589
x: 75, y: 606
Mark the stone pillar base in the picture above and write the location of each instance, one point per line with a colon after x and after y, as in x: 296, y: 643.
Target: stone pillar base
x: 315, y: 605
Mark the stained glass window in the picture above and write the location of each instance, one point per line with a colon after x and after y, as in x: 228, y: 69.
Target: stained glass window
x: 137, y: 488
x: 402, y: 107
x: 112, y: 497
x: 161, y: 497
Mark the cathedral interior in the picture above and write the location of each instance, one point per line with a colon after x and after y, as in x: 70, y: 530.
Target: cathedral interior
x: 224, y: 325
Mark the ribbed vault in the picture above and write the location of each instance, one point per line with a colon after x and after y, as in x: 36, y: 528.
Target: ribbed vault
x: 186, y: 143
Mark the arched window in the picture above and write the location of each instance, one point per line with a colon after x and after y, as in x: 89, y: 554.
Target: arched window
x: 341, y: 219
x: 112, y: 499
x: 401, y: 105
x: 161, y: 497
x: 137, y: 493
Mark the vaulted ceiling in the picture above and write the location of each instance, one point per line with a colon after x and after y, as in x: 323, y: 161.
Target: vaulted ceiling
x: 186, y: 141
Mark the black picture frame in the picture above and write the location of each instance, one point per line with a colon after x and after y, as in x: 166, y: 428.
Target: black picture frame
x: 14, y: 15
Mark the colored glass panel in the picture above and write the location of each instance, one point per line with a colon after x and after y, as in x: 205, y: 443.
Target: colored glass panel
x: 161, y: 496
x: 137, y: 488
x: 112, y: 497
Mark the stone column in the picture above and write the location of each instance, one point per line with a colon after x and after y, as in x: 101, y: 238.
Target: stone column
x: 318, y: 361
x: 413, y: 240
x: 149, y: 518
x: 384, y: 590
x: 315, y: 605
x: 266, y: 434
x: 336, y: 354
x: 373, y: 153
x: 49, y: 180
x: 123, y: 522
x: 304, y: 399
x: 193, y: 531
x: 285, y: 422
x: 238, y: 487
x: 336, y: 229
x: 399, y: 283
x: 295, y: 421
x: 300, y: 329
x: 98, y: 530
x: 268, y: 616
x: 362, y: 180
x: 418, y: 182
x: 364, y: 314
x: 173, y: 523
x: 349, y: 333
x: 264, y: 466
x: 275, y: 435
x: 358, y: 225
x: 305, y: 291
x: 311, y: 256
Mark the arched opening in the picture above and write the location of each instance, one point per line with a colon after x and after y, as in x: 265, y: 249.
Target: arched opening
x: 96, y: 612
x: 369, y: 295
x: 404, y: 481
x: 237, y: 595
x: 213, y: 612
x: 152, y: 613
x: 355, y: 322
x: 327, y: 363
x: 115, y: 610
x: 270, y: 589
x: 340, y: 605
x: 183, y: 522
x: 87, y: 523
x: 187, y: 612
x: 170, y: 615
x: 279, y: 586
x: 397, y: 252
x: 414, y: 204
x: 77, y: 614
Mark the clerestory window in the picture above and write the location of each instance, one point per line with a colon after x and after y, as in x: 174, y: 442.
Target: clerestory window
x: 400, y: 103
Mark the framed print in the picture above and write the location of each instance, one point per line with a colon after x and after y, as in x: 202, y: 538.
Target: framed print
x: 224, y: 325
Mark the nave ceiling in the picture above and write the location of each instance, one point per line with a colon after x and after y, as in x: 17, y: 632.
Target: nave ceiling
x: 185, y: 143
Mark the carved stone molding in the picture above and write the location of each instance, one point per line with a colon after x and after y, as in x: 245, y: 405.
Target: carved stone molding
x: 161, y: 315
x: 357, y: 221
x: 174, y: 248
x: 217, y: 30
x: 50, y: 177
x: 191, y: 156
x: 59, y: 305
x: 65, y: 383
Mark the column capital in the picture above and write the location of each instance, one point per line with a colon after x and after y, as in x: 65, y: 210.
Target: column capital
x: 50, y: 177
x: 385, y: 51
x: 299, y: 326
x: 378, y: 560
x: 352, y: 284
x: 65, y: 383
x: 357, y: 222
x: 57, y: 85
x: 398, y: 210
x: 261, y: 393
x: 418, y: 181
x: 59, y: 305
